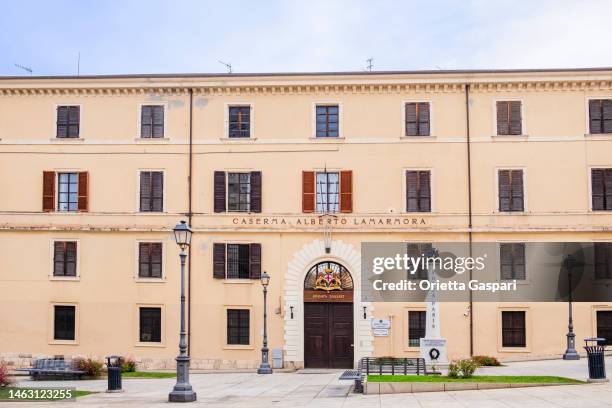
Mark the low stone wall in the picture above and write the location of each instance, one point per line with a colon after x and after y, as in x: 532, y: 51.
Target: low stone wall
x: 412, y: 387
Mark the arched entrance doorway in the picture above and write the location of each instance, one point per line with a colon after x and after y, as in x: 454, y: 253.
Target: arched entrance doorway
x: 328, y: 316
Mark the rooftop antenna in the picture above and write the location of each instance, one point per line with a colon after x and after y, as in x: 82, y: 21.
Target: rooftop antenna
x: 27, y: 69
x: 370, y: 65
x: 227, y: 65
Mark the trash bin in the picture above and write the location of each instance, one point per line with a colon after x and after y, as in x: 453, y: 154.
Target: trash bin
x: 595, y: 357
x: 113, y: 364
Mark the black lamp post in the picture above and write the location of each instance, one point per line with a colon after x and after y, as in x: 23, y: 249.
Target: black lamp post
x: 182, y: 391
x: 264, y: 367
x: 570, y: 353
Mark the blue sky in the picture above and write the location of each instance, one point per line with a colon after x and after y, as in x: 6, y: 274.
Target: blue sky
x: 153, y: 36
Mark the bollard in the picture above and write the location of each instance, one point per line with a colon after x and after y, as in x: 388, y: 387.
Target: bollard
x: 596, y: 360
x: 113, y: 364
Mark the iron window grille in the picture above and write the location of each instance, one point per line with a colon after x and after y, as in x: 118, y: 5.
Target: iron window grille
x: 239, y: 192
x: 238, y: 261
x: 238, y: 326
x: 513, y: 329
x: 416, y: 327
x: 64, y: 323
x: 150, y: 325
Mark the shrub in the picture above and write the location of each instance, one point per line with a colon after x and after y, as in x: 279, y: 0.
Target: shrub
x: 128, y: 365
x: 91, y: 367
x: 5, y: 378
x: 462, y: 368
x: 486, y: 361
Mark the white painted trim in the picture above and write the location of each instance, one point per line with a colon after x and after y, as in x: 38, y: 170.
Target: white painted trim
x: 313, y: 123
x: 139, y: 121
x: 432, y: 189
x: 431, y: 116
x: 137, y: 278
x: 165, y: 181
x: 496, y: 210
x: 524, y: 132
x: 78, y: 259
x: 225, y: 137
x: 81, y: 121
x: 309, y: 255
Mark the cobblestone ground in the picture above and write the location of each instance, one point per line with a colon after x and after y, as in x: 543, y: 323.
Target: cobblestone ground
x: 323, y: 389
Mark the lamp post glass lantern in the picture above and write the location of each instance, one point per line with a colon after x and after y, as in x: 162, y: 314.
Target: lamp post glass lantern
x: 182, y: 391
x: 264, y: 367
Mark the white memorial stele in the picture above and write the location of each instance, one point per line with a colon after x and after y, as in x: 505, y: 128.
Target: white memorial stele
x: 433, y: 346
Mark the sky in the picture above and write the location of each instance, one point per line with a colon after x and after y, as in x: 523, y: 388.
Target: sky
x: 191, y: 36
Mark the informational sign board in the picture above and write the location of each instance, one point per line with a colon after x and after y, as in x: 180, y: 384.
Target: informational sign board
x: 380, y: 332
x: 434, y: 350
x: 381, y: 324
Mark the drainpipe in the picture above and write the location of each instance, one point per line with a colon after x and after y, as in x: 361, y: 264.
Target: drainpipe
x: 469, y: 186
x: 189, y: 216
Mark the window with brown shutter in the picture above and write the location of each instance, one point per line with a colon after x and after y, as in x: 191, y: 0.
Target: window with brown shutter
x: 417, y: 118
x: 151, y: 191
x: 600, y: 116
x: 68, y: 121
x: 308, y: 191
x: 418, y: 250
x: 64, y: 258
x: 239, y: 124
x: 416, y: 327
x: 236, y: 261
x: 256, y: 191
x: 603, y: 260
x: 346, y: 191
x: 601, y: 189
x: 149, y: 259
x: 48, y: 196
x: 83, y: 192
x: 513, y: 329
x: 509, y: 121
x: 152, y: 121
x: 418, y: 191
x: 512, y: 261
x: 510, y: 185
x: 219, y: 191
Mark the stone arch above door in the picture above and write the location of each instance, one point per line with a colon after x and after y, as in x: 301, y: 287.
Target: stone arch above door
x: 309, y: 255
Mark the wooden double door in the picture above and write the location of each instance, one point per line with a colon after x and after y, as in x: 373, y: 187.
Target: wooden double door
x: 328, y: 335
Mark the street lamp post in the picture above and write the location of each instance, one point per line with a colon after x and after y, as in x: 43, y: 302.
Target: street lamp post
x: 570, y: 352
x: 182, y: 391
x: 264, y: 367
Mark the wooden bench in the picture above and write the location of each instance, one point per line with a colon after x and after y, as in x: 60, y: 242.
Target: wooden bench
x: 383, y: 366
x: 52, y: 369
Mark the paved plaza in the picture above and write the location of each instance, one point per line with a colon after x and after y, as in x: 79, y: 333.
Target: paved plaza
x: 323, y: 389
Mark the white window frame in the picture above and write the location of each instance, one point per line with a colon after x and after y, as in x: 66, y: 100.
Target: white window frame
x: 57, y: 192
x: 524, y: 132
x: 313, y: 133
x: 77, y: 264
x: 164, y: 209
x: 137, y: 277
x: 227, y: 173
x: 433, y: 208
x: 81, y: 121
x: 525, y: 189
x: 227, y: 107
x: 332, y: 170
x: 139, y: 121
x: 403, y: 114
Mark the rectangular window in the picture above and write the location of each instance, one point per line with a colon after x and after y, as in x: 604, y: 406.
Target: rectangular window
x: 418, y: 191
x: 419, y: 250
x: 68, y: 121
x: 601, y: 189
x: 510, y: 184
x: 63, y: 322
x: 327, y: 120
x: 417, y: 118
x: 64, y: 258
x: 603, y: 260
x: 328, y: 192
x: 604, y: 326
x: 149, y: 259
x: 152, y: 121
x: 151, y: 191
x: 238, y: 260
x: 512, y: 261
x: 513, y: 329
x: 600, y: 116
x: 150, y: 325
x: 416, y: 327
x: 509, y: 121
x: 239, y: 192
x: 68, y: 187
x: 238, y: 326
x: 239, y: 121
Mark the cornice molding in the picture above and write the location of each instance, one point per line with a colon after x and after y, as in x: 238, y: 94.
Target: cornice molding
x: 315, y: 89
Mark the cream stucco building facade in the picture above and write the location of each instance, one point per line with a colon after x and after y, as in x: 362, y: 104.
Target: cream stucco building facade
x: 203, y: 137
